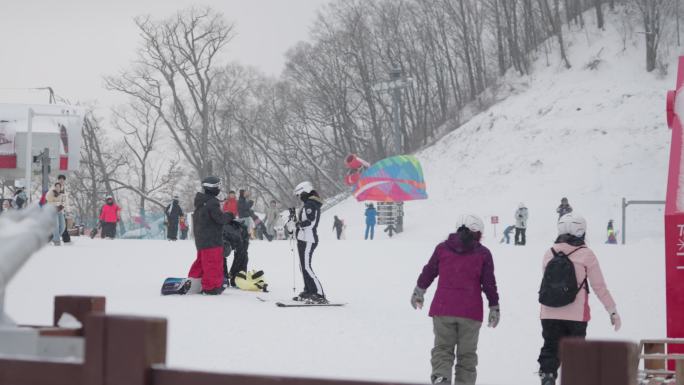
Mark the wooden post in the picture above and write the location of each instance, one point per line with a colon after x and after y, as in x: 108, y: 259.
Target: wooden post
x: 597, y: 362
x: 78, y: 306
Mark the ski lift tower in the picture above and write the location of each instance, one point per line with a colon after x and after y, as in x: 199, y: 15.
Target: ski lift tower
x: 392, y: 213
x: 395, y: 86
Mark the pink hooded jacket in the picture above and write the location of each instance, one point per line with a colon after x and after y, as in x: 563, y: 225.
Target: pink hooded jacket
x: 586, y: 266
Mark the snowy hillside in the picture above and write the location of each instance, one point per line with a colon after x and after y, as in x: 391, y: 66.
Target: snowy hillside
x: 593, y: 136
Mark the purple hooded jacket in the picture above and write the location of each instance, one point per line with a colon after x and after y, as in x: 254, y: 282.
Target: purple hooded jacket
x: 464, y: 273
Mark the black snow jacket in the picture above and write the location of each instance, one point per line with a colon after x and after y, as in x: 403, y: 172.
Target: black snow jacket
x: 208, y: 220
x: 245, y: 207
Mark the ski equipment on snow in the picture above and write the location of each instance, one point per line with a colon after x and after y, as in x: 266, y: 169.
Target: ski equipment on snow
x: 559, y: 285
x: 303, y: 304
x: 175, y: 286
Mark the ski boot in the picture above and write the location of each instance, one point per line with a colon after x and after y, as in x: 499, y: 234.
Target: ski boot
x: 302, y: 297
x: 439, y: 380
x: 215, y: 291
x: 547, y: 378
x: 316, y: 299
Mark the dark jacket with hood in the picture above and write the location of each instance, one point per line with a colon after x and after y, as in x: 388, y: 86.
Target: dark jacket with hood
x: 465, y: 271
x: 245, y: 207
x: 208, y: 221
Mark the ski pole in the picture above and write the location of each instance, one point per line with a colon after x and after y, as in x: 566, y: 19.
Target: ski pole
x: 294, y: 265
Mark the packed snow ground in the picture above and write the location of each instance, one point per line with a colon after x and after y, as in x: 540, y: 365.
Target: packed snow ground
x: 376, y: 336
x: 593, y: 136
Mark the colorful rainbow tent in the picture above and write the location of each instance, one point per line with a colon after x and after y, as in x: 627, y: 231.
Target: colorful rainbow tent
x: 394, y: 179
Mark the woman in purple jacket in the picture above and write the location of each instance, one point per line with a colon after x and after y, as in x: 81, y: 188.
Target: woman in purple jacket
x: 466, y: 269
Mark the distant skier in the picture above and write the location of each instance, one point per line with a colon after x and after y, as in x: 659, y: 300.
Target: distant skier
x: 338, y: 226
x: 55, y: 198
x: 110, y: 215
x: 173, y: 213
x: 569, y: 320
x: 564, y: 208
x: 208, y: 221
x: 306, y: 228
x: 507, y: 234
x: 183, y: 226
x: 271, y: 219
x: 612, y: 240
x: 466, y: 269
x: 230, y: 205
x: 371, y: 215
x: 245, y: 212
x: 68, y: 219
x: 521, y: 216
x: 20, y: 198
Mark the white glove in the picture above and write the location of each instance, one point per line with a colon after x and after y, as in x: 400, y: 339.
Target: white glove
x: 615, y: 319
x: 494, y: 316
x: 290, y: 226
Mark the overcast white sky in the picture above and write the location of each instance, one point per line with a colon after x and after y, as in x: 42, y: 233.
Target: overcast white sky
x: 71, y: 44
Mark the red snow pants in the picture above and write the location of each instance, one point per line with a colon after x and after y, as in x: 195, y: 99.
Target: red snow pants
x: 209, y: 267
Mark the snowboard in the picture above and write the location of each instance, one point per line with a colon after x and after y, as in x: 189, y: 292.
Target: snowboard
x: 302, y: 304
x: 173, y: 286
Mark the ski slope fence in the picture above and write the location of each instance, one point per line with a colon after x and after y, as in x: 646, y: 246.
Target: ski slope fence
x: 674, y: 216
x: 125, y: 350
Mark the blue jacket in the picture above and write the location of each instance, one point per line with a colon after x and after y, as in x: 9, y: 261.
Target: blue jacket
x: 371, y: 213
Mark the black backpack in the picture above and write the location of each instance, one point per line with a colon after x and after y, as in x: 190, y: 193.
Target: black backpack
x: 559, y: 285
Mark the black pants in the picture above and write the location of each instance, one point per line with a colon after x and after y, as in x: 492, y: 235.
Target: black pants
x: 338, y: 230
x: 108, y: 229
x: 520, y: 236
x: 66, y: 237
x: 235, y: 238
x: 311, y: 283
x: 553, y: 331
x: 172, y: 229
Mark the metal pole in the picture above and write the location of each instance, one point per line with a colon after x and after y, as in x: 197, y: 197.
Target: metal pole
x: 45, y: 169
x: 624, y: 211
x: 395, y: 76
x: 29, y: 155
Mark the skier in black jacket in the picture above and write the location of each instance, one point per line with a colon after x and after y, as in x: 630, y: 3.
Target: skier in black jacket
x: 307, y: 240
x: 173, y: 213
x: 208, y: 221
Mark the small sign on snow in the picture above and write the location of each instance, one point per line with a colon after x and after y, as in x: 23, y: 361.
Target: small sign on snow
x: 495, y: 220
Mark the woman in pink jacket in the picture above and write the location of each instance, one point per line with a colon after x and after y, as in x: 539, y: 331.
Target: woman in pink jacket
x: 571, y: 320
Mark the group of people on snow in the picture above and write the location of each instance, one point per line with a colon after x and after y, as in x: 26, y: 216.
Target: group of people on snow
x: 465, y: 269
x: 218, y: 231
x: 522, y: 215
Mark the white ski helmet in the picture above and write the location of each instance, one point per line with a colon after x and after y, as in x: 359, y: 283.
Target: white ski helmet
x: 304, y: 187
x: 471, y: 221
x: 572, y: 224
x: 521, y: 205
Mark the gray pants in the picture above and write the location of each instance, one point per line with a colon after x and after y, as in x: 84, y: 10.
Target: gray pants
x: 461, y: 334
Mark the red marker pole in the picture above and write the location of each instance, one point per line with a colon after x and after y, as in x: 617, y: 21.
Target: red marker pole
x: 674, y: 218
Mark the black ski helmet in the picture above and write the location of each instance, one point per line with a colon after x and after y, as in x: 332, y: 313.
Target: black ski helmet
x: 211, y: 185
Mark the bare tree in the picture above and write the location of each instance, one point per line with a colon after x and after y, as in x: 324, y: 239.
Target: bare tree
x: 653, y: 14
x: 149, y: 180
x: 175, y: 75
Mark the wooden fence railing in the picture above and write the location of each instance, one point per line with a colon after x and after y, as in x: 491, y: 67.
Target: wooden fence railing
x: 123, y: 350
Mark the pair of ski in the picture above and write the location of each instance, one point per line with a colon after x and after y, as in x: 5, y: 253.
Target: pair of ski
x: 302, y: 304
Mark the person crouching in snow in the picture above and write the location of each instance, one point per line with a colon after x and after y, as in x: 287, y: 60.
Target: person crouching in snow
x: 208, y: 221
x: 307, y: 239
x: 466, y: 269
x: 562, y: 314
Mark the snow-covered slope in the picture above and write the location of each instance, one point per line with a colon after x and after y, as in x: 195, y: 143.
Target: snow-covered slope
x: 593, y: 136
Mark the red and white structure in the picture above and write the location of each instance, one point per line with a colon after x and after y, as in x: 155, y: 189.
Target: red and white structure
x: 674, y: 214
x: 27, y: 129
